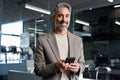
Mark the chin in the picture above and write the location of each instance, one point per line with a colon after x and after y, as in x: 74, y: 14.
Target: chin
x: 63, y: 28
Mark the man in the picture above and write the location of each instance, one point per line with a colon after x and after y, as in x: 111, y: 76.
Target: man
x: 53, y: 48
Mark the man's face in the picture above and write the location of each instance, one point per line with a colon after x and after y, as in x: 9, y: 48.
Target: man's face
x: 62, y: 18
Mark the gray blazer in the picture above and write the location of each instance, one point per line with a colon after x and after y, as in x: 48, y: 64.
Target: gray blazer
x: 47, y: 55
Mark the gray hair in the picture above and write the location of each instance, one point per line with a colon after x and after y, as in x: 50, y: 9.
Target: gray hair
x: 61, y: 5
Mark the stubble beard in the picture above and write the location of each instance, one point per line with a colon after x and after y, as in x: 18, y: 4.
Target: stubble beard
x: 61, y: 28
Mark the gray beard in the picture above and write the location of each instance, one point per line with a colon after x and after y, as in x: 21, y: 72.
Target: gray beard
x: 62, y: 28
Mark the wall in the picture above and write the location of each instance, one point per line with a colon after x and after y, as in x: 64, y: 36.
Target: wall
x: 115, y: 48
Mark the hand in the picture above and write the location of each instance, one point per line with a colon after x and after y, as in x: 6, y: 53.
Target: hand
x: 62, y: 66
x: 74, y: 67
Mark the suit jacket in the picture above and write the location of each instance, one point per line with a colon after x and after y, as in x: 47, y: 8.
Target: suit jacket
x: 47, y: 55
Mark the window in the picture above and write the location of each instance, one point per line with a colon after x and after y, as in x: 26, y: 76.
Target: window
x: 11, y: 33
x: 15, y: 28
x: 10, y: 36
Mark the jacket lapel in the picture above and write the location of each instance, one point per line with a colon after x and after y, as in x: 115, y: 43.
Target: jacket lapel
x: 53, y: 44
x: 71, y: 45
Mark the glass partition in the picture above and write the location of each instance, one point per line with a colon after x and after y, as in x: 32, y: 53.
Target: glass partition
x: 18, y: 41
x: 105, y: 35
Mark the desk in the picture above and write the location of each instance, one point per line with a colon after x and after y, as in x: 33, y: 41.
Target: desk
x: 114, y: 74
x: 4, y: 68
x: 22, y: 75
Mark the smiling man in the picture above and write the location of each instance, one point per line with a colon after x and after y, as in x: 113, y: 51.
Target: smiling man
x: 53, y: 48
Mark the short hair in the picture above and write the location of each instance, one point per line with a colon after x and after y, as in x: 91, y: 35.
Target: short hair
x: 68, y: 6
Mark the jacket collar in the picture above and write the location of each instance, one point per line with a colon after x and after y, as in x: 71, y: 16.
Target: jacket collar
x: 53, y: 44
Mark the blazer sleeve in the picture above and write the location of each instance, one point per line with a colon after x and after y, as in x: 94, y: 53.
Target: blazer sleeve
x: 41, y: 67
x: 81, y: 59
x: 78, y: 44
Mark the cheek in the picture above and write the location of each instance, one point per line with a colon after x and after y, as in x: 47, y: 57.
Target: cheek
x: 69, y: 19
x: 57, y: 20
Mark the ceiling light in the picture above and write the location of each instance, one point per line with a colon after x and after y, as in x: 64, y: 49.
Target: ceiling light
x: 82, y: 22
x: 39, y: 20
x: 117, y: 22
x: 28, y: 6
x: 116, y: 6
x: 35, y: 29
x: 90, y: 8
x: 110, y: 0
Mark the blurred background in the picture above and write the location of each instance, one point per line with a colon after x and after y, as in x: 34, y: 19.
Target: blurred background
x: 22, y: 22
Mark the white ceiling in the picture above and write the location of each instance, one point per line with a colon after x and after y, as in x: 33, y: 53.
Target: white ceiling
x: 15, y: 9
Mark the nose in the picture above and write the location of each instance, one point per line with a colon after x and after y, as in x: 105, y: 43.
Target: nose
x: 63, y: 18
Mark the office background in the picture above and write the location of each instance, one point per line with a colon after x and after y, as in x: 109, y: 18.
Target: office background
x: 20, y: 27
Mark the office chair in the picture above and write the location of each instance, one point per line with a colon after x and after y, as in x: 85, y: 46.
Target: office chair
x: 3, y: 50
x: 107, y: 70
x: 13, y: 49
x: 102, y: 63
x: 15, y: 52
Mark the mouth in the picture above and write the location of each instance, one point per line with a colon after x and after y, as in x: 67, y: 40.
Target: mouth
x: 63, y: 23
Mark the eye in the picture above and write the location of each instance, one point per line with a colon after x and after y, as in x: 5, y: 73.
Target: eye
x: 59, y: 15
x: 67, y: 15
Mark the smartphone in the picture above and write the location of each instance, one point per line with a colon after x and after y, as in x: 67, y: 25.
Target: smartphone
x: 70, y: 60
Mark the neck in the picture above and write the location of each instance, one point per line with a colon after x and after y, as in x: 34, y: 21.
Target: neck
x: 60, y: 32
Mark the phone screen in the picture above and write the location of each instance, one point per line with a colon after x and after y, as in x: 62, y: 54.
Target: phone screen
x: 70, y: 60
